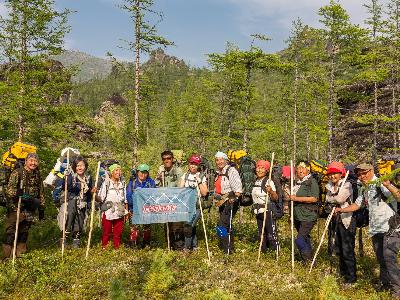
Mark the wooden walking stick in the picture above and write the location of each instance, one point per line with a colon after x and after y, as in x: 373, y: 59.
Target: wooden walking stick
x: 204, y: 224
x: 65, y: 205
x: 17, y: 223
x: 92, y: 211
x: 328, y: 220
x: 291, y: 211
x: 163, y: 184
x: 265, y: 211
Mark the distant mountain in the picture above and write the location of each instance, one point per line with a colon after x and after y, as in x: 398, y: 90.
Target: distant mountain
x: 89, y: 66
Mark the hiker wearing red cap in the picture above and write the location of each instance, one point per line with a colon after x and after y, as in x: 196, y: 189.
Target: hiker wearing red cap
x: 285, y: 184
x: 193, y: 179
x: 342, y: 229
x: 261, y: 189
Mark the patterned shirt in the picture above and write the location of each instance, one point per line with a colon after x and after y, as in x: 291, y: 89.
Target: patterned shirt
x: 230, y: 180
x: 31, y: 185
x: 379, y: 209
x: 116, y: 194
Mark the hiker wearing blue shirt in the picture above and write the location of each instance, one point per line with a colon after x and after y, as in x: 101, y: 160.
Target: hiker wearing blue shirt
x: 383, y: 227
x: 141, y: 181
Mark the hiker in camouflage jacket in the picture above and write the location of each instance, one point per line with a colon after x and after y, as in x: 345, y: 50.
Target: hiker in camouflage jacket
x: 24, y: 183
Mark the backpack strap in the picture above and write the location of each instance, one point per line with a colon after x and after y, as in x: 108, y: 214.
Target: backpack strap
x: 264, y: 183
x: 226, y: 173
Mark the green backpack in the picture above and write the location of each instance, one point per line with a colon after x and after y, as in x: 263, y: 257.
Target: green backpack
x: 247, y: 172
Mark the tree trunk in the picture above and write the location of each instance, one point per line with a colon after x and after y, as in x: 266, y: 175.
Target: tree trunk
x: 375, y: 133
x: 222, y: 114
x: 247, y: 106
x: 137, y: 83
x: 22, y: 71
x: 285, y: 141
x: 331, y: 103
x: 295, y: 100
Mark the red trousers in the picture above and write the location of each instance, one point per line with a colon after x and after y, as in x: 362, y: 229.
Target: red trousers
x: 112, y: 228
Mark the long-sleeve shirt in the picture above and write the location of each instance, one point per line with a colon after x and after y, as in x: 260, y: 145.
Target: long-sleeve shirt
x: 137, y: 184
x: 115, y: 194
x: 334, y: 196
x: 228, y: 180
x: 31, y: 185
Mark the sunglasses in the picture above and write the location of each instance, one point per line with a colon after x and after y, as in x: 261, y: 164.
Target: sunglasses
x: 167, y: 158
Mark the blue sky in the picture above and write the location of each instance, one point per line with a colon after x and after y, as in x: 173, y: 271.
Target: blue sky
x: 197, y: 27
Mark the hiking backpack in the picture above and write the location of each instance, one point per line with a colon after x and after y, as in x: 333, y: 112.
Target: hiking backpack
x: 275, y: 206
x: 362, y: 214
x: 318, y: 172
x: 207, y: 170
x: 12, y: 160
x: 278, y: 206
x: 247, y: 172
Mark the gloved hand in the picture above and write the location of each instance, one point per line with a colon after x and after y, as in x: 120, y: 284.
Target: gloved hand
x: 41, y: 213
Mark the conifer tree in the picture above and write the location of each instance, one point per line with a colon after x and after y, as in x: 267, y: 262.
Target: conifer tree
x: 30, y: 32
x: 146, y: 38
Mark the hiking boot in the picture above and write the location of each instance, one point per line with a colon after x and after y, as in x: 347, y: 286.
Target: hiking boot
x: 21, y: 249
x: 6, y: 251
x: 76, y: 243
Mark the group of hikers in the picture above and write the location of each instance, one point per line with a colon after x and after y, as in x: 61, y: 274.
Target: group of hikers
x: 295, y: 187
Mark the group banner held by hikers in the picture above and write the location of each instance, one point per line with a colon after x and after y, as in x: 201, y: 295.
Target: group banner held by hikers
x: 348, y: 197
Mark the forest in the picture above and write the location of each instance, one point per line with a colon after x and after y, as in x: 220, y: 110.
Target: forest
x: 331, y: 94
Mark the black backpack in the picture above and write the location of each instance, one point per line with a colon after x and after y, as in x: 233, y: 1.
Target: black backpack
x: 275, y: 206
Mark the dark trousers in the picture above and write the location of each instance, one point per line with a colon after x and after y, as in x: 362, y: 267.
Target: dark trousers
x: 270, y: 239
x: 344, y: 245
x: 23, y: 228
x: 190, y: 231
x: 75, y: 218
x: 391, y: 246
x: 227, y: 212
x: 303, y: 239
x: 377, y: 243
x: 176, y: 235
x: 386, y: 248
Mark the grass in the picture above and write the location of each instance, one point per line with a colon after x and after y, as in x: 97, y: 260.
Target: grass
x: 156, y: 273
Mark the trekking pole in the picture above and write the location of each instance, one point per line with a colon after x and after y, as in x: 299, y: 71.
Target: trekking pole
x: 65, y: 206
x: 328, y: 220
x: 275, y: 234
x: 265, y: 211
x: 92, y: 211
x: 163, y: 184
x: 17, y: 223
x: 291, y: 211
x: 204, y: 225
x: 230, y: 230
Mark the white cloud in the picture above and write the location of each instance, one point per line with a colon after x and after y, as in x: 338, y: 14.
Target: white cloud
x: 281, y: 13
